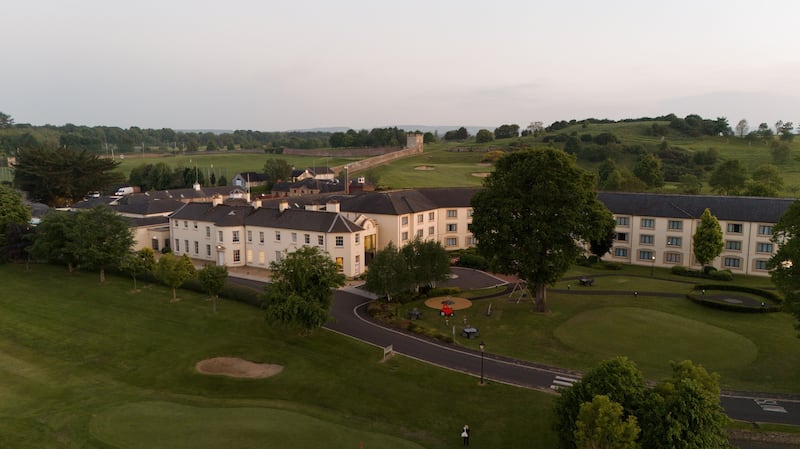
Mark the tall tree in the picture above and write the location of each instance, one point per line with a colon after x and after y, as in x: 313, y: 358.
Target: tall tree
x: 173, y: 271
x: 742, y: 128
x: 277, y: 170
x: 649, y: 170
x: 548, y: 205
x: 6, y: 121
x: 12, y: 210
x: 728, y: 178
x: 707, y: 239
x: 101, y: 238
x: 52, y: 241
x: 427, y: 262
x: 784, y: 265
x: 137, y: 263
x: 212, y: 279
x: 484, y: 136
x: 601, y: 425
x: 388, y: 273
x: 301, y: 291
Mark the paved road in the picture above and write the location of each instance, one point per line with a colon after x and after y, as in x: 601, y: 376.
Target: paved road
x: 349, y: 318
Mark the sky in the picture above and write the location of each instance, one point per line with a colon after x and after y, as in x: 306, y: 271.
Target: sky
x: 275, y: 65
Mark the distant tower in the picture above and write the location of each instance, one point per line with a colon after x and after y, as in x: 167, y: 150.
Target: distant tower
x: 414, y: 140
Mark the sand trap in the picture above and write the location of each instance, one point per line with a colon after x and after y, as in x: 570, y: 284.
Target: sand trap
x: 481, y: 174
x: 236, y: 367
x: 423, y: 167
x: 457, y: 302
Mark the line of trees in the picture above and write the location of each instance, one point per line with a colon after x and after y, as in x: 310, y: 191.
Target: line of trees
x: 376, y: 137
x: 418, y: 264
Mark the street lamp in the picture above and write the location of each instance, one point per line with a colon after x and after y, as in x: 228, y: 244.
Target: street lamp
x: 653, y: 266
x: 482, y: 345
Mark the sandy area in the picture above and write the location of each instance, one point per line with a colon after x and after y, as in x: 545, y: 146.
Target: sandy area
x: 481, y: 174
x: 458, y: 303
x: 236, y: 367
x: 423, y: 167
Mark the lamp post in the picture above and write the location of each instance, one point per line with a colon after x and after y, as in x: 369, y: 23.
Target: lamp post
x: 482, y: 345
x: 653, y: 266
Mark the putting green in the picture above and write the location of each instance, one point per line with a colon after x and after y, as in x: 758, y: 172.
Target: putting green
x: 152, y: 425
x: 652, y: 338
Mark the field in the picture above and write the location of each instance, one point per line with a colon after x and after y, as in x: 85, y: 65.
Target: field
x: 90, y: 366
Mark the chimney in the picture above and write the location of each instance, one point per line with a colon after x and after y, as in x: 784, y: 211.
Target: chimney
x: 283, y: 205
x: 312, y: 206
x: 332, y: 206
x: 257, y: 203
x: 216, y: 200
x: 196, y: 186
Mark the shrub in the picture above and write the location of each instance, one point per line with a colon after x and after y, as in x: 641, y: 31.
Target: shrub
x: 475, y: 261
x: 612, y: 266
x: 724, y: 275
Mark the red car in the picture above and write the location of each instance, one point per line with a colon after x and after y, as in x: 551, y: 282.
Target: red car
x: 447, y: 311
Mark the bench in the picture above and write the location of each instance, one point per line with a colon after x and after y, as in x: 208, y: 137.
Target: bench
x: 586, y: 282
x: 470, y: 332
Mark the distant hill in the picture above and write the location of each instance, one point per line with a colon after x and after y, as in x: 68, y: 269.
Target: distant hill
x: 441, y: 129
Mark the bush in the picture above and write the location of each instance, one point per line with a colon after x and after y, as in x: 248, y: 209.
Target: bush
x: 724, y: 275
x: 475, y: 261
x: 443, y: 291
x: 612, y: 266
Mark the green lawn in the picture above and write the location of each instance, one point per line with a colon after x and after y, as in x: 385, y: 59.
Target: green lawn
x: 758, y: 352
x: 90, y: 366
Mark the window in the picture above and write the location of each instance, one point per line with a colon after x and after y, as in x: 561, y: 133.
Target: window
x: 420, y: 218
x: 249, y: 236
x: 675, y: 225
x: 452, y: 227
x: 249, y: 256
x: 197, y: 247
x: 470, y: 212
x: 451, y: 241
x: 320, y: 240
x: 340, y: 263
x: 278, y: 256
x: 452, y: 213
x: 431, y: 230
x: 220, y: 236
x: 358, y: 239
x: 176, y: 223
x: 760, y: 264
x: 623, y: 221
x: 735, y: 228
x: 277, y: 236
x: 622, y: 236
x: 620, y: 252
x: 732, y: 262
x: 339, y: 241
x: 177, y: 246
x: 260, y: 236
x: 404, y: 236
x: 764, y: 248
x: 235, y: 238
x: 471, y: 241
x: 155, y: 244
x: 648, y: 223
x: 674, y: 241
x: 237, y: 255
x: 186, y: 246
x: 307, y: 239
x: 208, y: 232
x: 672, y: 257
x: 646, y: 255
x: 294, y: 237
x: 733, y: 245
x: 431, y: 216
x: 195, y: 224
x: 764, y: 230
x: 185, y: 224
x: 419, y: 233
x: 646, y: 239
x: 404, y: 221
x: 208, y: 250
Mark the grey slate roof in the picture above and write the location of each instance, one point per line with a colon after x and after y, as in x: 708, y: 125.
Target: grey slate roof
x: 302, y: 220
x: 727, y: 208
x: 253, y: 176
x: 145, y: 205
x: 221, y: 215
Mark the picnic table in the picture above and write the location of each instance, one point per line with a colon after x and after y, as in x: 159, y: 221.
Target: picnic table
x: 470, y: 332
x: 414, y: 314
x: 586, y: 282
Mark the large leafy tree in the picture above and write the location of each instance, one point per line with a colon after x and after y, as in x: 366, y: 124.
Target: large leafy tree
x: 728, y: 178
x: 427, y: 262
x: 137, y: 263
x: 277, y: 169
x: 173, y: 271
x: 301, y: 291
x: 101, y: 238
x: 388, y: 273
x: 649, y: 170
x: 533, y: 214
x: 52, y: 241
x: 212, y: 279
x: 601, y: 425
x: 784, y: 265
x: 12, y: 210
x: 707, y: 240
x: 61, y: 176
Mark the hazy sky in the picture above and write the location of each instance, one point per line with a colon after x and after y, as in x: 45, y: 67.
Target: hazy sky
x: 279, y: 65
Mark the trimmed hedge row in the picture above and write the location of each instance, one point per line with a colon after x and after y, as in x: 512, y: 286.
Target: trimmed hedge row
x: 713, y: 274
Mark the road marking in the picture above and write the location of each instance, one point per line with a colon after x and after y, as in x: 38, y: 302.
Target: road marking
x: 562, y: 382
x: 770, y: 405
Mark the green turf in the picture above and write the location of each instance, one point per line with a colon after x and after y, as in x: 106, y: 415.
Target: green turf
x: 73, y: 353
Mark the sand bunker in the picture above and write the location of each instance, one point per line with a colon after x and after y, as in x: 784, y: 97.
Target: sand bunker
x: 423, y: 167
x: 236, y: 367
x: 481, y: 174
x: 455, y: 302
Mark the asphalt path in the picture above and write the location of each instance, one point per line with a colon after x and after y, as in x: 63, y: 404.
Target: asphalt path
x: 349, y: 317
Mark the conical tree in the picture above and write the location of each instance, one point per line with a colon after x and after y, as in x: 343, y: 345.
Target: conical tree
x: 707, y: 239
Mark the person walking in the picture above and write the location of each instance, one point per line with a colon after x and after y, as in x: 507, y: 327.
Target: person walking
x: 465, y: 435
